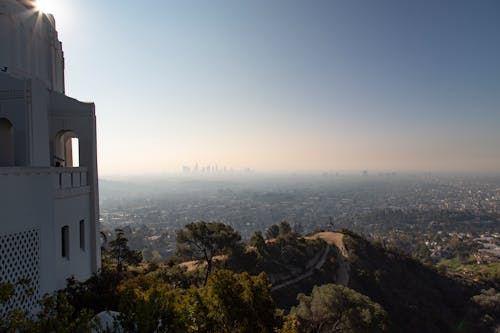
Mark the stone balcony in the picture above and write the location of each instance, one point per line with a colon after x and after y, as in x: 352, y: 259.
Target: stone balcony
x: 66, y: 181
x: 67, y: 178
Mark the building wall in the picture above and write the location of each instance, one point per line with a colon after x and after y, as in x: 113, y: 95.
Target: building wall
x: 13, y: 106
x: 36, y: 105
x: 69, y: 210
x: 25, y: 204
x: 69, y: 114
x: 37, y: 202
x: 30, y: 45
x: 38, y: 197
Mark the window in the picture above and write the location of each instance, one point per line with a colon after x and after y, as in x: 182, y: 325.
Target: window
x: 82, y: 235
x: 66, y: 149
x: 6, y: 143
x: 75, y: 152
x: 65, y: 242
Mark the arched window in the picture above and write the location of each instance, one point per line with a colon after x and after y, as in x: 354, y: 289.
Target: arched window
x: 7, y: 155
x: 66, y: 149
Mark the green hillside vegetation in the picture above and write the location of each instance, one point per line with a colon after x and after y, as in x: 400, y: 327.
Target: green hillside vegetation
x: 487, y: 274
x: 333, y: 308
x: 387, y: 290
x: 287, y: 254
x: 417, y: 297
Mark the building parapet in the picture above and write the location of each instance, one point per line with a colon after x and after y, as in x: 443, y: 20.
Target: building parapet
x: 67, y: 178
x: 63, y: 178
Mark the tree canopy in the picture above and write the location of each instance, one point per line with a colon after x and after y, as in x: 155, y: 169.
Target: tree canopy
x: 272, y: 232
x: 121, y: 253
x: 334, y: 308
x: 204, y: 240
x: 285, y: 228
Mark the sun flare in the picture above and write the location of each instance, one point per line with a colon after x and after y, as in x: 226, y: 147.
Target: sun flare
x: 48, y: 6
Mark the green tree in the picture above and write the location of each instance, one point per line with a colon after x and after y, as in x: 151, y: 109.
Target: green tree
x: 298, y: 228
x: 7, y: 290
x: 333, y: 308
x: 272, y: 232
x: 229, y: 303
x: 15, y: 320
x: 239, y: 303
x: 285, y: 228
x: 489, y: 302
x: 290, y: 325
x: 121, y: 252
x: 56, y: 315
x: 259, y: 243
x: 178, y: 276
x: 151, y: 310
x: 204, y: 240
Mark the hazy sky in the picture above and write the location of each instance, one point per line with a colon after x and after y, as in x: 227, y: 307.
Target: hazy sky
x: 288, y: 85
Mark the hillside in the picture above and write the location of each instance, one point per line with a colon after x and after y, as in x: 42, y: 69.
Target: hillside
x: 417, y: 297
x: 349, y: 280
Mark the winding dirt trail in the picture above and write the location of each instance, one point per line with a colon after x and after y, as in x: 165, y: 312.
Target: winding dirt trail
x: 337, y: 240
x: 334, y: 240
x: 302, y: 276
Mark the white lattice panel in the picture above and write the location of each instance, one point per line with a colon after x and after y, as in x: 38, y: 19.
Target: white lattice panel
x: 19, y: 260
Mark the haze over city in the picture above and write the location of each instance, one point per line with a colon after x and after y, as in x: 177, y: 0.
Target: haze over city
x: 287, y: 85
x: 250, y: 166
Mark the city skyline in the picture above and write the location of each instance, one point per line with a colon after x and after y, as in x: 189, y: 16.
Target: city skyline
x: 287, y: 86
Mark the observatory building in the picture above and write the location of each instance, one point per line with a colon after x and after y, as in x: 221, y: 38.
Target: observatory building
x: 49, y: 208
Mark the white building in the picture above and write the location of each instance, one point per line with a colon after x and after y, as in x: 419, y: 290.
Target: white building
x: 49, y: 208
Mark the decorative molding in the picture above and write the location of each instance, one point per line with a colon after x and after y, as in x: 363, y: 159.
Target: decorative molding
x: 58, y: 115
x: 25, y: 171
x: 72, y: 192
x: 11, y: 94
x: 20, y: 260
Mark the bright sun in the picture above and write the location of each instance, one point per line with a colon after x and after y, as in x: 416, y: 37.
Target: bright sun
x: 48, y: 6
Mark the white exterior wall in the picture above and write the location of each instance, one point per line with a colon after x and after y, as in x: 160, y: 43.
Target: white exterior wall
x: 68, y: 114
x: 13, y: 107
x: 36, y: 105
x: 38, y: 198
x: 68, y: 211
x: 28, y: 51
x: 45, y: 200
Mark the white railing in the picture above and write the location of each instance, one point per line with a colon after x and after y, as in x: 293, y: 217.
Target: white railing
x: 66, y: 178
x: 63, y: 178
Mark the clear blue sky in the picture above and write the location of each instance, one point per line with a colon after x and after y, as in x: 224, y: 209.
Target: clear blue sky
x: 288, y: 85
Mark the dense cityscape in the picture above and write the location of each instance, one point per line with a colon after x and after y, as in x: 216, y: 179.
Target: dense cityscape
x: 405, y: 210
x: 249, y: 166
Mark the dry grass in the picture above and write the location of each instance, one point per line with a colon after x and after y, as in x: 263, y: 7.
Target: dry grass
x: 333, y: 238
x: 200, y: 264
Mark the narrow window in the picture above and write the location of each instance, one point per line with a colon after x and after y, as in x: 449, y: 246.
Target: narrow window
x: 65, y: 242
x: 75, y: 152
x: 82, y: 235
x: 6, y: 143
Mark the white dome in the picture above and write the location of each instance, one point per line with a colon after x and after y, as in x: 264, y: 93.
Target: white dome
x: 30, y: 46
